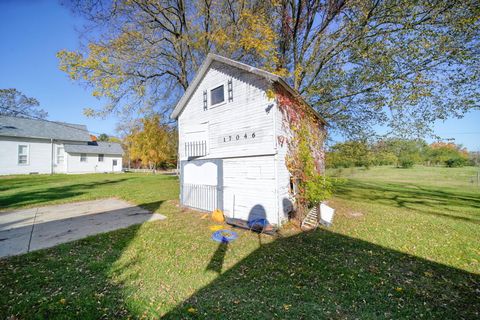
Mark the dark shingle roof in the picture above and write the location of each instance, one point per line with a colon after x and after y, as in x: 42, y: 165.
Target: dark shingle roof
x: 95, y: 147
x: 31, y: 128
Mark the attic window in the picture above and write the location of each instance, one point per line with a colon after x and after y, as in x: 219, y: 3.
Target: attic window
x: 217, y: 95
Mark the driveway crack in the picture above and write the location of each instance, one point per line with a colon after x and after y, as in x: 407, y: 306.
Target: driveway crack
x: 31, y: 232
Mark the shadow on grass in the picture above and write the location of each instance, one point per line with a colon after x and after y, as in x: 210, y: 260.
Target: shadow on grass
x: 306, y: 276
x: 36, y: 197
x: 327, y: 275
x: 73, y: 280
x: 424, y: 199
x: 216, y: 262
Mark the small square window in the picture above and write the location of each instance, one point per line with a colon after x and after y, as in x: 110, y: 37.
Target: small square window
x: 83, y: 157
x: 100, y: 158
x: 114, y: 162
x: 23, y: 154
x: 217, y: 95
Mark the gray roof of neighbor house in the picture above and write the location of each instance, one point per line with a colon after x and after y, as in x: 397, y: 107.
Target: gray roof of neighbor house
x: 44, y: 129
x: 242, y: 66
x: 95, y: 147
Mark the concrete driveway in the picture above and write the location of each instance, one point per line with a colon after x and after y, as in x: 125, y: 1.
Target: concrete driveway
x: 22, y: 231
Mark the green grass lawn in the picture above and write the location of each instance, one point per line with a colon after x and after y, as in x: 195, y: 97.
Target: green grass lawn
x: 405, y: 244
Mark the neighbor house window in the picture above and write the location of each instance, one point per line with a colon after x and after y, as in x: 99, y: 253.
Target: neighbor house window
x: 23, y: 154
x: 83, y: 157
x: 217, y: 95
x: 100, y: 158
x: 60, y: 155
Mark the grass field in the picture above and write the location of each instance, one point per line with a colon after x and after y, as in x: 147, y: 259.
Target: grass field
x: 405, y: 244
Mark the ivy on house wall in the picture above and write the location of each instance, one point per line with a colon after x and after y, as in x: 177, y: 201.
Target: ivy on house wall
x: 305, y: 158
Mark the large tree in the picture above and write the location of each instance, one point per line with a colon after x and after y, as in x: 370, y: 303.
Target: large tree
x: 152, y: 142
x: 360, y: 63
x: 14, y: 103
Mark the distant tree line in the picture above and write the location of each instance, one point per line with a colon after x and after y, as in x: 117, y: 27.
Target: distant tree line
x: 399, y: 152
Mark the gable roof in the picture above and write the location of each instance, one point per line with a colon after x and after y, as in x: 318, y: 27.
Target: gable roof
x: 43, y: 129
x: 95, y: 147
x: 262, y: 73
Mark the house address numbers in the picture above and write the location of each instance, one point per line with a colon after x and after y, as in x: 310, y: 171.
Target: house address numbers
x: 240, y: 137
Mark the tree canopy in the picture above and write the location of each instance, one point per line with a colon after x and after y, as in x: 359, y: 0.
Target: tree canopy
x: 14, y: 103
x: 152, y: 143
x: 360, y: 63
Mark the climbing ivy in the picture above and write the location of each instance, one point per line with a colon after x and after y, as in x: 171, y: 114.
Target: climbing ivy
x: 305, y: 158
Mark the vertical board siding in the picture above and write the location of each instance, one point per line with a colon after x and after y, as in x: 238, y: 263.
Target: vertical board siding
x: 195, y: 149
x: 201, y: 197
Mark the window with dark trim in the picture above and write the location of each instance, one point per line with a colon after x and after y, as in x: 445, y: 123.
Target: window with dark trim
x: 100, y: 157
x: 217, y: 95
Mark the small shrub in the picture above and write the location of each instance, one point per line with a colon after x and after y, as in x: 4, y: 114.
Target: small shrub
x: 455, y: 162
x: 406, y: 163
x: 317, y: 189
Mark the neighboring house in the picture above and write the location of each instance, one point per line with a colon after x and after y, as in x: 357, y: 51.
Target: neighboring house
x: 232, y: 147
x: 38, y: 146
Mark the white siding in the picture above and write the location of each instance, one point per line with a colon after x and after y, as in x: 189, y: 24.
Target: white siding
x: 39, y: 156
x: 249, y: 188
x: 92, y: 165
x: 249, y: 116
x: 41, y: 160
x: 245, y: 141
x: 240, y: 137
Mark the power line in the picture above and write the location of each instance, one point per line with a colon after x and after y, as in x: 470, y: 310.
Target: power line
x: 28, y: 116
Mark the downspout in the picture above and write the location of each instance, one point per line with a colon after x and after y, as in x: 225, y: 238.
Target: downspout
x: 51, y: 157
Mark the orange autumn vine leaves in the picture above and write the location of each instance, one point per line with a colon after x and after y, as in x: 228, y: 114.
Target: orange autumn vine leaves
x: 305, y: 156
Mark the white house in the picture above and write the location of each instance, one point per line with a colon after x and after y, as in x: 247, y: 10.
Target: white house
x: 30, y: 146
x: 232, y: 142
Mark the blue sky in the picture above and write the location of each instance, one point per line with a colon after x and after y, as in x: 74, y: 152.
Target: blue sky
x: 33, y: 31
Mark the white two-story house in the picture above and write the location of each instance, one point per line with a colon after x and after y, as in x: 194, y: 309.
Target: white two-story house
x: 231, y: 150
x: 29, y: 146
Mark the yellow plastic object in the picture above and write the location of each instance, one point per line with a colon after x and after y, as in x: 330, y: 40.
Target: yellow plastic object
x: 216, y: 227
x: 205, y: 216
x: 217, y: 216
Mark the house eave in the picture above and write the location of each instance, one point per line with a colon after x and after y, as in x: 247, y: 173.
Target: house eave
x: 262, y: 73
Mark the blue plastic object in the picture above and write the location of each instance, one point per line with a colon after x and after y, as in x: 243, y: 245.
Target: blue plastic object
x: 257, y: 223
x: 224, y: 236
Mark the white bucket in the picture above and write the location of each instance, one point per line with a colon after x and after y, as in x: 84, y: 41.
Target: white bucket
x: 326, y: 215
